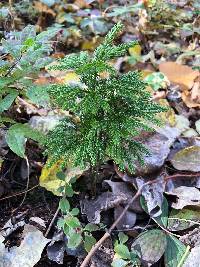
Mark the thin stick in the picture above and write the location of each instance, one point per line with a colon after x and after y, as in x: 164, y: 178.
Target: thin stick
x: 52, y: 222
x: 20, y: 193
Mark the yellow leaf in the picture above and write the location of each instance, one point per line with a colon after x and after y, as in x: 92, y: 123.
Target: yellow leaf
x: 168, y: 116
x: 51, y: 182
x: 135, y: 50
x: 71, y: 77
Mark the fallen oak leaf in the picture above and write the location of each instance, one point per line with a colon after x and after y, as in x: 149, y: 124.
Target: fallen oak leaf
x: 179, y: 74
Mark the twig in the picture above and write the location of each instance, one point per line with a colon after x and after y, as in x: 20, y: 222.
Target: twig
x: 52, y: 222
x: 20, y: 193
x: 108, y: 233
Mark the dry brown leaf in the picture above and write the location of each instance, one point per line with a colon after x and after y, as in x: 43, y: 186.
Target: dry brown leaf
x: 195, y: 93
x: 179, y: 74
x: 43, y: 8
x: 187, y: 99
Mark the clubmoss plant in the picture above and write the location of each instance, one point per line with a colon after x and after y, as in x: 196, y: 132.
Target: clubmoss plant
x: 112, y: 109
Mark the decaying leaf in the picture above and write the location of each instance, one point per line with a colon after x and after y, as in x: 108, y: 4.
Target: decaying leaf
x: 28, y: 253
x: 153, y: 195
x: 128, y: 220
x: 183, y: 219
x: 150, y: 246
x: 179, y: 74
x: 187, y: 159
x: 51, y: 182
x: 186, y: 196
x: 107, y: 200
x: 159, y: 144
x: 125, y: 188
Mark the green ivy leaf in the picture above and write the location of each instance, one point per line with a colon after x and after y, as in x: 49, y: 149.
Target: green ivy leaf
x: 64, y: 205
x: 89, y: 242
x: 69, y: 192
x: 60, y: 223
x: 61, y: 176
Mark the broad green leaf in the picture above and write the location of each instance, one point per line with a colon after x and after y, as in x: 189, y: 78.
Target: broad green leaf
x: 183, y: 219
x: 17, y: 135
x: 72, y: 222
x: 74, y: 240
x: 7, y: 101
x: 122, y: 237
x: 122, y: 251
x: 61, y: 175
x: 64, y: 205
x: 74, y: 211
x: 89, y: 242
x: 91, y: 227
x: 69, y: 192
x: 174, y: 252
x: 60, y: 223
x: 150, y: 245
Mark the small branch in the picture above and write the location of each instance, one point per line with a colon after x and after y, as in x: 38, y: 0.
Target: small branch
x: 20, y: 193
x: 52, y: 222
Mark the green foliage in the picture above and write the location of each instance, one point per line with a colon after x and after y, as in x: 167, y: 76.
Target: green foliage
x: 69, y: 222
x: 123, y: 257
x: 23, y: 55
x: 112, y: 108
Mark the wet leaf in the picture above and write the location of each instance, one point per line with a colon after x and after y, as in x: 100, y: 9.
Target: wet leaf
x: 187, y: 159
x: 183, y: 219
x: 175, y: 252
x: 150, y: 246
